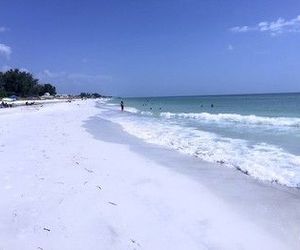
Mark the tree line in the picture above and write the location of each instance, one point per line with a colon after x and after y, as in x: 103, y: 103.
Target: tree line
x: 22, y: 84
x: 90, y: 95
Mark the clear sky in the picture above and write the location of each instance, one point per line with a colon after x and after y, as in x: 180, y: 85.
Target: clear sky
x: 155, y: 47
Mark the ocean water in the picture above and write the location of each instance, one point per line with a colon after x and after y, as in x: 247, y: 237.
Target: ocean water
x: 256, y: 134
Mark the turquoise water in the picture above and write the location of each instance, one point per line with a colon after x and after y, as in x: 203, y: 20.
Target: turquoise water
x: 275, y: 105
x: 257, y: 134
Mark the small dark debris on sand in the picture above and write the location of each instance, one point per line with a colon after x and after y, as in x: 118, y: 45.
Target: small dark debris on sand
x: 112, y: 203
x: 243, y: 171
x: 99, y: 187
x: 47, y: 229
x: 134, y: 242
x: 90, y: 171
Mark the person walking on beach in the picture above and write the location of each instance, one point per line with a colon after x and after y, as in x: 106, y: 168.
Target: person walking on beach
x: 122, y: 106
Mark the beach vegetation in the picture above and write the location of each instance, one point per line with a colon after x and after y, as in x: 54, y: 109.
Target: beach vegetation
x: 23, y: 84
x: 90, y: 95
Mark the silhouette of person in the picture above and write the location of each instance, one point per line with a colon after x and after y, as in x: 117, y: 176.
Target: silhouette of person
x: 122, y: 106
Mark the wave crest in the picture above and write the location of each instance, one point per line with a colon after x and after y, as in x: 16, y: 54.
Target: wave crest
x: 237, y: 118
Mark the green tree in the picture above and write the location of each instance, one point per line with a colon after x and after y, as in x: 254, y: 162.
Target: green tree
x: 21, y: 83
x: 96, y: 95
x: 48, y: 88
x: 18, y: 82
x: 2, y: 90
x: 83, y: 95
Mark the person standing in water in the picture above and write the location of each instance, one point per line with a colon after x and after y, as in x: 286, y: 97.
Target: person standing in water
x: 122, y: 105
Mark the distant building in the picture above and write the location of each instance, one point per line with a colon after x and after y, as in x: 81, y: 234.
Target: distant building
x: 47, y: 96
x: 62, y: 96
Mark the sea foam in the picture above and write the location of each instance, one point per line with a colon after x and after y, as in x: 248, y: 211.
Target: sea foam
x: 261, y: 160
x: 237, y: 118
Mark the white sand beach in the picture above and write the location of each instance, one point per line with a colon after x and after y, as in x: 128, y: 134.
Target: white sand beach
x: 71, y: 180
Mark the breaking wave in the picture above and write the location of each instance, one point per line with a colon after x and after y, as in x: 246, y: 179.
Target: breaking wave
x: 237, y: 118
x: 261, y: 160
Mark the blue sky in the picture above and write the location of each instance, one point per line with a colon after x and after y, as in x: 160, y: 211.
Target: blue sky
x: 149, y: 48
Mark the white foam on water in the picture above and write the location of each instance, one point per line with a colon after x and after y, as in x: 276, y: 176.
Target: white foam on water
x: 137, y: 111
x: 237, y: 118
x: 146, y: 113
x: 262, y: 161
x: 132, y: 110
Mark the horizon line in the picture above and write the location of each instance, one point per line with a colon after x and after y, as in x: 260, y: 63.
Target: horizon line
x: 242, y: 94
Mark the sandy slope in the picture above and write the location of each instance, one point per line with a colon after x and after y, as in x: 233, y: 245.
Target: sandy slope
x: 61, y: 188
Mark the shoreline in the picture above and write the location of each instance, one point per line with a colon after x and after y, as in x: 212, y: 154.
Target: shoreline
x: 92, y: 185
x: 265, y: 198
